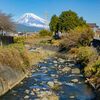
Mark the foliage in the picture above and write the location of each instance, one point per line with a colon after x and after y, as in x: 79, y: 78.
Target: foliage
x: 66, y: 21
x: 93, y: 68
x: 18, y: 46
x: 19, y: 39
x: 85, y: 55
x: 70, y: 20
x: 54, y: 23
x: 86, y: 35
x: 80, y: 36
x: 15, y: 56
x: 55, y: 42
x: 45, y: 33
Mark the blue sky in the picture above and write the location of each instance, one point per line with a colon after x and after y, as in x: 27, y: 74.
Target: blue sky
x: 89, y: 9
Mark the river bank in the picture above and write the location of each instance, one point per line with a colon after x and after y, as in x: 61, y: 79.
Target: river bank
x: 10, y: 77
x: 62, y: 70
x: 53, y: 76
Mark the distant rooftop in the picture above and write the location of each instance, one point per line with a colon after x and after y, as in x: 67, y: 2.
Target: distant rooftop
x: 93, y: 25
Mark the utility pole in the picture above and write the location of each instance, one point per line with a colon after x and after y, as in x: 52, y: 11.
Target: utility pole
x: 46, y: 19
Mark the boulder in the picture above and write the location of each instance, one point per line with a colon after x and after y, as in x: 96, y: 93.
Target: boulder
x: 55, y: 65
x: 51, y: 84
x: 74, y: 80
x: 55, y: 62
x: 72, y: 97
x: 61, y: 60
x: 76, y: 71
x: 66, y: 69
x: 27, y: 91
x: 32, y: 93
x: 53, y: 75
x: 26, y: 97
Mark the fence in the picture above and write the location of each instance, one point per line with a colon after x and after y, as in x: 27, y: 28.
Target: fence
x: 6, y: 40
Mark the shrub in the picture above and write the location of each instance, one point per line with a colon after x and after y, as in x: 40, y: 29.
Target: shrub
x: 45, y: 33
x: 15, y: 56
x: 80, y: 36
x: 85, y: 55
x: 93, y: 68
x: 18, y: 46
x: 19, y: 39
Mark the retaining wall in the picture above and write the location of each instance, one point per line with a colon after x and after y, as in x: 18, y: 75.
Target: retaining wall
x: 9, y: 78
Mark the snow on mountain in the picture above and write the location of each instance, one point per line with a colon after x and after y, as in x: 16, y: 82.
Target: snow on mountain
x: 30, y: 19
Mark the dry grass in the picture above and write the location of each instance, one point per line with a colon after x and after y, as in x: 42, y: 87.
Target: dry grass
x: 17, y: 56
x: 51, y: 97
x: 14, y: 57
x: 56, y: 42
x: 33, y: 39
x: 40, y: 55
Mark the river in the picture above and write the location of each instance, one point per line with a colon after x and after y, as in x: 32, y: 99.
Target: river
x: 71, y: 82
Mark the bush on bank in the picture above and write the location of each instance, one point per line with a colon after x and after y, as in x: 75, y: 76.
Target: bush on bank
x: 77, y: 43
x: 89, y: 60
x: 80, y: 36
x: 85, y: 55
x: 45, y: 33
x: 93, y: 68
x: 15, y: 56
x: 19, y: 39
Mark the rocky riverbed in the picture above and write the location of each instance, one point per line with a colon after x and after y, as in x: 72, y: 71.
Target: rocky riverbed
x: 52, y: 79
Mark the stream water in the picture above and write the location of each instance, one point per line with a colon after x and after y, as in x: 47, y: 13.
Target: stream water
x: 49, y: 72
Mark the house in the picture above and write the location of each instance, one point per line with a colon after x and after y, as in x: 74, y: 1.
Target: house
x: 96, y: 29
x: 93, y: 26
x: 97, y: 34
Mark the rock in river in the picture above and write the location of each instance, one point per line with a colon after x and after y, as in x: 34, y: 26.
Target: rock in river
x: 76, y: 71
x: 66, y: 69
x: 61, y: 60
x: 26, y: 97
x: 74, y: 80
x: 27, y: 91
x: 55, y: 62
x: 72, y: 97
x: 51, y: 84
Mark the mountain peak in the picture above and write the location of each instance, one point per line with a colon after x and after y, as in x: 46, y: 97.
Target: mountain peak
x: 30, y: 19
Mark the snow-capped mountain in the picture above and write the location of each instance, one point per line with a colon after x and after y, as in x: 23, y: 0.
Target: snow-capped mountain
x: 30, y: 19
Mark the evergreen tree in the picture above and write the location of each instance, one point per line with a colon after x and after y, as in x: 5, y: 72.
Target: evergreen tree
x: 54, y: 23
x: 66, y: 21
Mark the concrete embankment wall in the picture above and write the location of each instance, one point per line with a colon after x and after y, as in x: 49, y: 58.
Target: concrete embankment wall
x: 9, y: 77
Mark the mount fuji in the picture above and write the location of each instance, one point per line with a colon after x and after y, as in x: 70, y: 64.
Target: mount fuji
x: 30, y: 20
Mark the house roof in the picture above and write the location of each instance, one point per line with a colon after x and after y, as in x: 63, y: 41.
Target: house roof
x: 98, y: 31
x: 93, y: 25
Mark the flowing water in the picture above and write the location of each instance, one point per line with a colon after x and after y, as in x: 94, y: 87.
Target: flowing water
x: 72, y: 85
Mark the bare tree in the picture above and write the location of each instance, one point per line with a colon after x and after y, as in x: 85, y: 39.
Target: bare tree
x: 6, y: 23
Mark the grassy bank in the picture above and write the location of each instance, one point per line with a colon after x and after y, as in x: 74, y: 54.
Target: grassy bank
x: 16, y: 60
x: 18, y: 57
x: 78, y: 47
x: 15, y: 56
